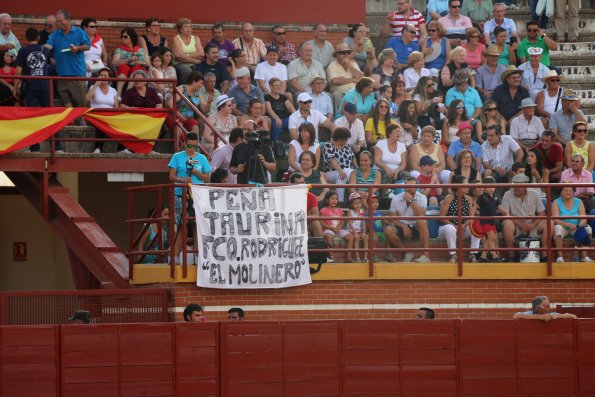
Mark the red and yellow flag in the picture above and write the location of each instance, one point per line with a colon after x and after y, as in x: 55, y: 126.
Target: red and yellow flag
x: 127, y: 125
x: 23, y: 127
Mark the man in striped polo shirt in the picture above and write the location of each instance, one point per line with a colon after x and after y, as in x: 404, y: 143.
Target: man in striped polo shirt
x: 405, y: 15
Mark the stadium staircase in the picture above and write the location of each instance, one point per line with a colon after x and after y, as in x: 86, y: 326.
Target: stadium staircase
x: 96, y: 261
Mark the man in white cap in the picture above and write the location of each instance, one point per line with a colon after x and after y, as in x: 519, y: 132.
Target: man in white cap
x: 533, y: 72
x: 343, y: 73
x: 562, y: 120
x: 526, y: 128
x: 305, y: 114
x: 523, y: 203
x: 536, y: 37
x: 244, y: 91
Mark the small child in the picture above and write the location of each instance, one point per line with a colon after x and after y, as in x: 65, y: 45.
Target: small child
x: 333, y: 227
x: 488, y: 205
x: 428, y: 175
x: 377, y: 226
x: 358, y: 227
x: 386, y: 92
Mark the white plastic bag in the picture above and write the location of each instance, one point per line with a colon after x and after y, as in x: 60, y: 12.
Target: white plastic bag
x: 540, y: 9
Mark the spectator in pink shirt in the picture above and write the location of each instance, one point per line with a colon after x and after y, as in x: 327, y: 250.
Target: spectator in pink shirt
x: 577, y: 174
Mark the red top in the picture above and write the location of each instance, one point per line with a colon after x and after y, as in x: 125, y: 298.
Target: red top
x: 555, y: 155
x: 426, y: 180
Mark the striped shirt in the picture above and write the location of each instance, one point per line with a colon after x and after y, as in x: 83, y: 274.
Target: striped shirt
x: 254, y: 53
x: 502, y: 155
x: 398, y: 21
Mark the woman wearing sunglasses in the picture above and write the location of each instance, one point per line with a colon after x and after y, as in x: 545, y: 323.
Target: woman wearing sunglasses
x: 129, y: 57
x: 489, y: 116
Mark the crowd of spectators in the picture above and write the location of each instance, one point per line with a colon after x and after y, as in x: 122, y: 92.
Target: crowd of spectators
x: 455, y: 95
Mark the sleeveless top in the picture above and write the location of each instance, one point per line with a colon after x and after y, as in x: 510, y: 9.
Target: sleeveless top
x: 298, y: 150
x: 583, y: 151
x: 454, y: 211
x: 433, y: 155
x: 451, y: 66
x: 152, y: 48
x: 187, y: 48
x: 552, y: 103
x: 314, y: 179
x: 183, y: 106
x: 359, y: 179
x: 437, y: 63
x: 569, y: 212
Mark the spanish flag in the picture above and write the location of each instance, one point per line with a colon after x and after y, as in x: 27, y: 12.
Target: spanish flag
x: 128, y: 125
x: 22, y: 127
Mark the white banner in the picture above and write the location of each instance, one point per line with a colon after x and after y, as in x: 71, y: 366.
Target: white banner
x: 251, y: 237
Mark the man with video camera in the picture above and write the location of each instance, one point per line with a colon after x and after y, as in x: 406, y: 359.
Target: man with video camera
x: 253, y: 159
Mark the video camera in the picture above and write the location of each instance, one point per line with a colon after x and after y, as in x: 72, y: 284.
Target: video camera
x: 257, y: 138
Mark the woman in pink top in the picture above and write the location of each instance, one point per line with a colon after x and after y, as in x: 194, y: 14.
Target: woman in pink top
x: 474, y: 48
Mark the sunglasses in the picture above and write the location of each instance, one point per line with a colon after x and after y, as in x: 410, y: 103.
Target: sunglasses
x: 460, y: 106
x: 125, y: 36
x: 581, y: 130
x: 382, y: 107
x: 555, y: 80
x: 280, y: 33
x: 191, y: 146
x: 432, y: 30
x: 490, y: 109
x: 307, y: 102
x: 459, y: 6
x: 92, y: 26
x: 533, y: 30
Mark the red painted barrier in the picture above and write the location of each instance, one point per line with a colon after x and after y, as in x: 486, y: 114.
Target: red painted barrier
x: 443, y: 358
x: 203, y: 11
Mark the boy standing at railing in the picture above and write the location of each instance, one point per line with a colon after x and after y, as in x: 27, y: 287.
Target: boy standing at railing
x: 488, y: 205
x: 378, y: 228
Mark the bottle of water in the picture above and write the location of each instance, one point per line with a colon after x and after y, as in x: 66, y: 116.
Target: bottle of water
x: 575, y: 257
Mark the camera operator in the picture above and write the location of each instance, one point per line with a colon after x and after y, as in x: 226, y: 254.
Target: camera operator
x: 252, y: 158
x: 187, y: 166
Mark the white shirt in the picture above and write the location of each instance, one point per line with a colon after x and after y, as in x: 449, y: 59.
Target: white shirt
x: 103, y: 101
x: 411, y: 77
x: 221, y: 159
x: 522, y: 129
x: 322, y: 102
x: 315, y: 117
x: 298, y: 151
x: 264, y: 71
x: 392, y: 160
x: 358, y: 133
x: 399, y: 205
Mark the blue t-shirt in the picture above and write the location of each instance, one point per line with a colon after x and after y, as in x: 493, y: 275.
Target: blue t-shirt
x: 34, y: 59
x: 179, y: 162
x: 470, y: 98
x: 377, y: 223
x: 403, y: 50
x: 67, y: 62
x: 457, y: 146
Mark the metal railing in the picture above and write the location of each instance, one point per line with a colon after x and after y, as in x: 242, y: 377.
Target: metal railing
x: 167, y: 191
x: 178, y: 133
x: 113, y: 306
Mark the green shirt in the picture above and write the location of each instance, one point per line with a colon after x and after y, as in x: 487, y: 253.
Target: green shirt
x: 477, y: 12
x: 524, y: 45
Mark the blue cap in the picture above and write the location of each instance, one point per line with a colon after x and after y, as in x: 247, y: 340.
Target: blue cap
x: 350, y: 108
x: 426, y: 160
x: 582, y: 237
